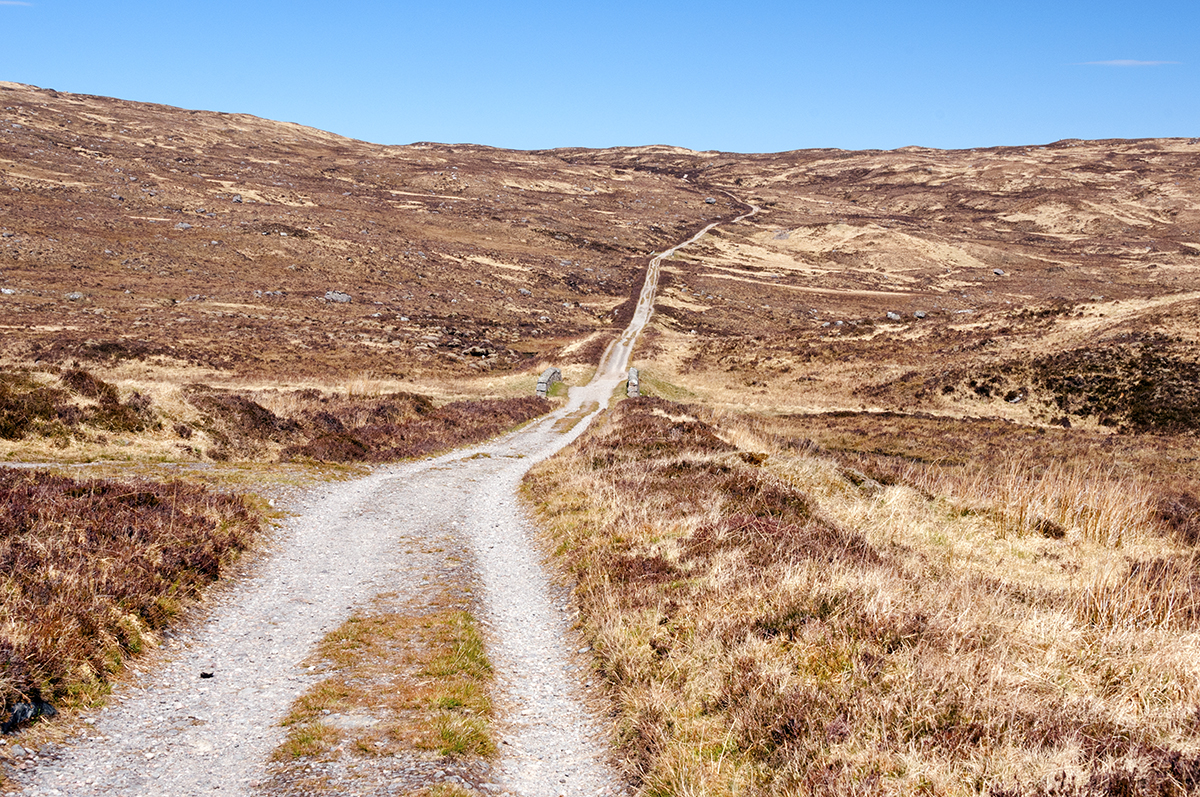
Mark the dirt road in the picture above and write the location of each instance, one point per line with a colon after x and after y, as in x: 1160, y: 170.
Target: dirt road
x: 174, y: 733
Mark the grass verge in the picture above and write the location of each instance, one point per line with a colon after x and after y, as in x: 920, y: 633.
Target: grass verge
x: 771, y: 619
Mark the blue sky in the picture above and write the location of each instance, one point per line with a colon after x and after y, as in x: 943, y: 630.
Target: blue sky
x: 527, y: 74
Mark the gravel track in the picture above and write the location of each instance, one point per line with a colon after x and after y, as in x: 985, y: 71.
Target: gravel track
x: 170, y: 732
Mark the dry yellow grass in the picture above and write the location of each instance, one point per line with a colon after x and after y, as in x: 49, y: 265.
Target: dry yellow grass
x: 772, y: 620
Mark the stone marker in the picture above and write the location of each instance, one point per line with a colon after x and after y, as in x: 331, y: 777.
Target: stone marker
x: 548, y: 378
x: 631, y: 387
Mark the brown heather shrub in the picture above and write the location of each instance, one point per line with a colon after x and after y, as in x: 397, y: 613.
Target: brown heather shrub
x: 91, y: 570
x: 770, y: 620
x: 30, y: 408
x: 259, y: 426
x: 345, y: 428
x: 389, y: 429
x: 25, y: 406
x: 1180, y: 512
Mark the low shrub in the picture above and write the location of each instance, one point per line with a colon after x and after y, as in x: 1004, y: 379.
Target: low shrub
x: 91, y: 570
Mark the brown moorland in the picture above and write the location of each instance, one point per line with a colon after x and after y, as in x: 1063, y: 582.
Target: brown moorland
x: 943, y: 402
x: 91, y: 572
x: 769, y: 618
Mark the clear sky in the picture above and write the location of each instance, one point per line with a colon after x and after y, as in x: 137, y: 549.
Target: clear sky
x: 529, y: 74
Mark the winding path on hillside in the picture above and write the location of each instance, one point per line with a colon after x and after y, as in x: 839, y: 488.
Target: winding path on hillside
x: 170, y: 733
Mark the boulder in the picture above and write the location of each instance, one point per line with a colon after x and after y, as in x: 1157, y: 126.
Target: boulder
x: 337, y: 296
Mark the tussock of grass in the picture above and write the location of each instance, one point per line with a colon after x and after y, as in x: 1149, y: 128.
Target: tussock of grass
x: 91, y: 570
x: 773, y: 621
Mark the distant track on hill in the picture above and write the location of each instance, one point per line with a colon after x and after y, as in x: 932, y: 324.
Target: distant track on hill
x: 168, y: 733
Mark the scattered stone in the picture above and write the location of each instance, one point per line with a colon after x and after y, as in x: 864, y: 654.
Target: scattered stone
x: 524, y: 291
x: 7, y: 291
x: 919, y: 314
x: 237, y: 198
x: 74, y: 296
x: 7, y: 235
x: 999, y: 272
x: 893, y: 316
x: 710, y: 201
x: 545, y: 319
x: 183, y: 225
x: 337, y: 296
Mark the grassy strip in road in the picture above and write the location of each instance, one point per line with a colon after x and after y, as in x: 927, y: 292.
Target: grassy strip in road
x: 406, y: 685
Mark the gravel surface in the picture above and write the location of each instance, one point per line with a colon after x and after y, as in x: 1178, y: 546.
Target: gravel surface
x: 173, y: 732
